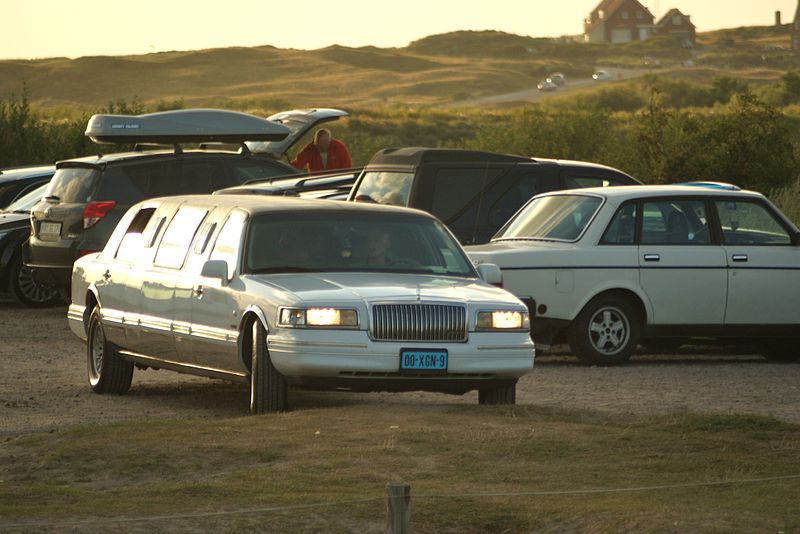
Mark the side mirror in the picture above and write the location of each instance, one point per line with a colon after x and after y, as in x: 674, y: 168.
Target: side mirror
x: 217, y: 269
x: 490, y: 273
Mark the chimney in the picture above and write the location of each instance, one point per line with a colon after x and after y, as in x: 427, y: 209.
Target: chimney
x: 777, y: 18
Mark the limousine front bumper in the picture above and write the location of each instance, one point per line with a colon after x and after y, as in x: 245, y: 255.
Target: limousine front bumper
x: 352, y: 361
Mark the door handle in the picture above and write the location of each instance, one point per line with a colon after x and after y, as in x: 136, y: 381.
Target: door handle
x: 739, y: 257
x: 652, y: 257
x: 198, y: 291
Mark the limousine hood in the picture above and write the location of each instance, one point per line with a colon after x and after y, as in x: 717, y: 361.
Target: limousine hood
x: 373, y: 287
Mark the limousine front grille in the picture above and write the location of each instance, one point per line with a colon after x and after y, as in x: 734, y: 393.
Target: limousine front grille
x: 419, y: 322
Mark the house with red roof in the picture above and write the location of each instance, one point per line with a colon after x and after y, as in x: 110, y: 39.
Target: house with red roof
x: 623, y: 21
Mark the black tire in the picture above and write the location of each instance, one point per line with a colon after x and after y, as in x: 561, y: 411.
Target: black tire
x: 26, y: 290
x: 606, y: 331
x: 108, y: 372
x: 498, y: 395
x: 267, y: 386
x: 783, y: 351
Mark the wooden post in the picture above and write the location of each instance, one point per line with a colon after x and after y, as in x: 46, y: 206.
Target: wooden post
x: 398, y: 508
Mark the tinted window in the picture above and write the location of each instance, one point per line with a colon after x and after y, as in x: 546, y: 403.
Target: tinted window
x: 622, y: 229
x: 132, y: 243
x: 750, y: 223
x: 579, y: 182
x: 457, y: 192
x: 385, y: 188
x: 559, y: 217
x: 512, y: 200
x: 178, y: 237
x: 353, y: 242
x: 229, y: 240
x: 246, y: 170
x: 129, y: 184
x: 678, y: 222
x: 192, y: 177
x: 72, y: 184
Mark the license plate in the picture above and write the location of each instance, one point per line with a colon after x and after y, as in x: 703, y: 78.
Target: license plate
x: 50, y: 228
x: 423, y: 360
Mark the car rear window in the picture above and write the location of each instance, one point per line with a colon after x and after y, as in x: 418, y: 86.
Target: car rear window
x: 557, y: 217
x: 385, y: 188
x: 72, y: 184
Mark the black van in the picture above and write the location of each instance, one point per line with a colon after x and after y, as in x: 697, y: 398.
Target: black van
x: 473, y: 192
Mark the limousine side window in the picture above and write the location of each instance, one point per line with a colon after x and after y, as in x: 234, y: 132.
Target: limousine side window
x: 130, y: 247
x: 229, y: 241
x: 178, y: 237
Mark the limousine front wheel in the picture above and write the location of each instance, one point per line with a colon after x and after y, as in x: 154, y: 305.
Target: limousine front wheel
x: 108, y: 372
x: 267, y: 386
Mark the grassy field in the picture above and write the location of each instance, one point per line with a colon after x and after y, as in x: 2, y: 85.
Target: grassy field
x: 434, y: 70
x: 326, y: 469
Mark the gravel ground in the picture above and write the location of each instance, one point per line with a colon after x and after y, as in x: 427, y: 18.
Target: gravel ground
x: 43, y: 384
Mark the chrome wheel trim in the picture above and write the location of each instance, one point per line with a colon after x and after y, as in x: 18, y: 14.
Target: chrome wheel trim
x: 609, y: 331
x: 32, y: 290
x: 97, y: 353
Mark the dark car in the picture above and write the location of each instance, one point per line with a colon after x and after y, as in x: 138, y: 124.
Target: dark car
x: 88, y: 196
x: 322, y: 185
x: 15, y: 278
x: 18, y: 181
x: 473, y: 192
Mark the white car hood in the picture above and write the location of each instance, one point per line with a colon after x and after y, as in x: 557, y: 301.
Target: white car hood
x: 375, y: 287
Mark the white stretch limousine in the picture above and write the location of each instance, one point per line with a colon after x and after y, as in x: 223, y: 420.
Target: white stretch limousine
x: 308, y: 293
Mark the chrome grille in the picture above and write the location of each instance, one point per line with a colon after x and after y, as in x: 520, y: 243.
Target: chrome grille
x: 419, y: 322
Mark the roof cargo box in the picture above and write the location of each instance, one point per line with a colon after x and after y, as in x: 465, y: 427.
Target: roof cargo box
x: 184, y: 126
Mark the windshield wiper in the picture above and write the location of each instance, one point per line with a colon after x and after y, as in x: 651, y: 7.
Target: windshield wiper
x: 281, y: 269
x: 21, y: 211
x: 53, y: 197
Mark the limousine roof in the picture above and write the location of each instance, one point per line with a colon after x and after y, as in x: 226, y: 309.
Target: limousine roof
x: 255, y: 204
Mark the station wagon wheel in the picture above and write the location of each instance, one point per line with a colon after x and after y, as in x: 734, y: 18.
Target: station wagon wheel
x: 108, y: 372
x: 267, y: 386
x: 605, y: 332
x: 26, y: 290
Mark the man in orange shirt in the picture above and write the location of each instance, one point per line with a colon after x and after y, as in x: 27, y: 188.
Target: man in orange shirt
x: 323, y: 153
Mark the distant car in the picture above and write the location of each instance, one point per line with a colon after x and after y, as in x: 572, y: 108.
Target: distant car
x: 18, y: 181
x: 88, y: 196
x: 546, y: 85
x: 284, y: 292
x: 557, y: 78
x: 601, y: 76
x: 15, y: 278
x: 607, y: 268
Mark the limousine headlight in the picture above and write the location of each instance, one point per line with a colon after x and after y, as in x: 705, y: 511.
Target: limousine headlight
x: 318, y: 317
x: 503, y: 320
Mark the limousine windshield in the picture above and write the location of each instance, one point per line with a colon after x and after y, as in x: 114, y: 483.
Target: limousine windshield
x: 310, y: 242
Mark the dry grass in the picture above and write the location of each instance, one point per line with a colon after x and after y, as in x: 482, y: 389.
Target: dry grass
x: 434, y: 70
x: 162, y: 467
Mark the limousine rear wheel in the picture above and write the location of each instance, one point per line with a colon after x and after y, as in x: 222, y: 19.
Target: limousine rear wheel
x: 605, y: 332
x: 267, y: 386
x: 108, y: 372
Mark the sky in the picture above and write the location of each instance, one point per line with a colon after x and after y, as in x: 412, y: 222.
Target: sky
x: 73, y: 28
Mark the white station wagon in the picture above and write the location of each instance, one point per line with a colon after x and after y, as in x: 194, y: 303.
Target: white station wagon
x: 284, y: 292
x: 610, y: 267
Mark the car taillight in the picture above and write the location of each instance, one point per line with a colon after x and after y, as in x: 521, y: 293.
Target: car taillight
x: 94, y: 211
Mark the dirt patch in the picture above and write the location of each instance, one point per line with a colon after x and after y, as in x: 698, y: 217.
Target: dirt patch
x: 43, y: 384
